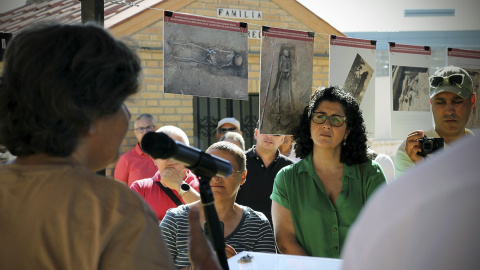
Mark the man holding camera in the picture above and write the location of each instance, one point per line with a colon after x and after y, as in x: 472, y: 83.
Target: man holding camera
x: 452, y: 98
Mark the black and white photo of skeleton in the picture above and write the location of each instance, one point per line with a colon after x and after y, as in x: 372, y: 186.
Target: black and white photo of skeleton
x: 410, y: 89
x: 205, y: 61
x: 285, y: 83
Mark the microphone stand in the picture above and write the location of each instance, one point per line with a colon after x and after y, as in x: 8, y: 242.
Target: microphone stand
x: 205, y: 169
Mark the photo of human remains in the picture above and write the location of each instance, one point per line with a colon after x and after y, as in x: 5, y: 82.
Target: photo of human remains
x: 205, y: 62
x: 358, y: 78
x: 474, y: 120
x: 286, y: 83
x: 410, y: 88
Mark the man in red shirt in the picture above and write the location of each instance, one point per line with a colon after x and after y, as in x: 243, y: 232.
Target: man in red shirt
x: 172, y: 184
x: 135, y: 164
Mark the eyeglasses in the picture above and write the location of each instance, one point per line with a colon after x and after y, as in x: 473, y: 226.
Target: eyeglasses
x: 225, y: 130
x: 145, y: 129
x: 454, y: 79
x: 335, y: 120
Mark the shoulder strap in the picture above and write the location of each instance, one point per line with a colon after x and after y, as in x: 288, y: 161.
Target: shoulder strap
x: 361, y: 181
x: 169, y: 192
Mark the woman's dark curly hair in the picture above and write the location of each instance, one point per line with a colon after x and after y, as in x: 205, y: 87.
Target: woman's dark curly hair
x: 57, y: 79
x: 355, y: 151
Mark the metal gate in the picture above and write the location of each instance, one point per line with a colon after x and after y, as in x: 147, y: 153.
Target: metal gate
x: 208, y: 111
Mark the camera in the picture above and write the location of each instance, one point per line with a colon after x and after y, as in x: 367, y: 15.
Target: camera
x: 430, y: 145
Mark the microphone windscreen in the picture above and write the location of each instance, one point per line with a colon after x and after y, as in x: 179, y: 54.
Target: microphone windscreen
x: 158, y: 145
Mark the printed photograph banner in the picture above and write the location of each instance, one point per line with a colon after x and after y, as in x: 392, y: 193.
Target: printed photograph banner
x: 410, y: 102
x: 352, y: 66
x: 205, y: 57
x: 470, y: 61
x: 286, y: 76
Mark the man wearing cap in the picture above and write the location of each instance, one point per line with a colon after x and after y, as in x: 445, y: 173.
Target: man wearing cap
x: 452, y: 98
x: 227, y: 124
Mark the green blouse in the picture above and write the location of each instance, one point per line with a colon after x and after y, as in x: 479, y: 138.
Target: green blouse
x: 321, y: 227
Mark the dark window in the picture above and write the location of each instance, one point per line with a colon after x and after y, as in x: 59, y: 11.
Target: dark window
x: 208, y: 111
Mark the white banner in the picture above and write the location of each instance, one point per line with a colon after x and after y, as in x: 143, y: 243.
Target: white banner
x: 205, y: 57
x: 352, y: 65
x: 286, y: 69
x: 470, y: 61
x: 410, y: 102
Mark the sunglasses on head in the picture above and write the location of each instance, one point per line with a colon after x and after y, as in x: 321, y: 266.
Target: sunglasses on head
x: 454, y: 79
x: 225, y: 130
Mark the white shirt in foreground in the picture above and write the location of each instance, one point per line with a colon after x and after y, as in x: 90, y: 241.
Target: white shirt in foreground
x: 428, y: 219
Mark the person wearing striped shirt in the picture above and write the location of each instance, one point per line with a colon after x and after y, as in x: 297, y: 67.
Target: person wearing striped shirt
x: 244, y: 228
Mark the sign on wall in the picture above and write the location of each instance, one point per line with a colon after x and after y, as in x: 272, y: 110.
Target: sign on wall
x: 239, y: 13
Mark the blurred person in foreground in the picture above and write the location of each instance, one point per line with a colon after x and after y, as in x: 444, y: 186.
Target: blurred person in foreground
x: 62, y: 113
x: 428, y: 219
x: 316, y: 200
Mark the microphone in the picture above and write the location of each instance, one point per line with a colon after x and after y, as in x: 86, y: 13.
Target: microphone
x: 160, y: 145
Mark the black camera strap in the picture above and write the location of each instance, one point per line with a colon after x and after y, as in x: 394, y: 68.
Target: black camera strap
x: 169, y: 192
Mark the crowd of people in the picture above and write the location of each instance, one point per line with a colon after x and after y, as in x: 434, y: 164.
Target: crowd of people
x: 298, y: 195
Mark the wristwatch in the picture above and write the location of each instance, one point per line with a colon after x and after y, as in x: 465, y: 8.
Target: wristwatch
x: 184, y: 188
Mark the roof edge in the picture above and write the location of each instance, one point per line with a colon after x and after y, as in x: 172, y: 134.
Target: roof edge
x: 295, y: 8
x: 129, y: 23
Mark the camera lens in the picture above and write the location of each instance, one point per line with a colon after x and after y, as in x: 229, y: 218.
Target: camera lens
x: 427, y: 146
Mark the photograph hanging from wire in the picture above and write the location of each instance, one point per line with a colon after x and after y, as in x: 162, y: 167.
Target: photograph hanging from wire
x: 286, y: 71
x: 470, y: 61
x: 352, y: 65
x: 205, y: 57
x: 358, y: 78
x: 410, y: 89
x: 409, y: 70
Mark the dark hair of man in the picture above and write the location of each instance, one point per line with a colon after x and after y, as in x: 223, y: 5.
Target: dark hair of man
x: 238, y: 153
x: 355, y: 150
x: 57, y: 79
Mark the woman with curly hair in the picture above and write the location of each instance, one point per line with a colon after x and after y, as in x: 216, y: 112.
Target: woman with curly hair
x: 315, y: 201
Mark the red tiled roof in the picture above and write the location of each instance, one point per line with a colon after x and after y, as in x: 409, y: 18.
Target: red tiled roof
x: 63, y: 11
